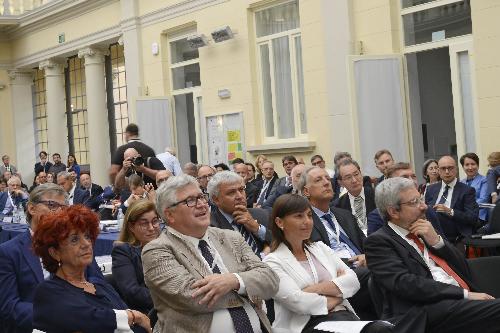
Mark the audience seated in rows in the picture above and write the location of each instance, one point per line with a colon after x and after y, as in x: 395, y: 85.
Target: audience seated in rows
x: 268, y: 184
x: 76, y: 195
x: 295, y: 175
x: 57, y: 166
x: 14, y: 197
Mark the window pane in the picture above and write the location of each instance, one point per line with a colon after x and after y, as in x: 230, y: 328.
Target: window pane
x: 277, y: 19
x: 181, y: 51
x: 186, y: 76
x: 437, y: 23
x: 266, y: 90
x: 410, y: 3
x: 283, y: 87
x: 300, y: 85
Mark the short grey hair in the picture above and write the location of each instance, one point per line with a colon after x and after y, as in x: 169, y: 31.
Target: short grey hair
x: 166, y: 194
x: 223, y: 177
x: 340, y: 155
x: 387, y: 194
x: 64, y: 174
x: 303, y: 178
x: 14, y: 178
x: 346, y: 162
x: 42, y: 190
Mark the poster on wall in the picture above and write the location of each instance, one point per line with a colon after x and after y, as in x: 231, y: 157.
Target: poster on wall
x: 225, y: 138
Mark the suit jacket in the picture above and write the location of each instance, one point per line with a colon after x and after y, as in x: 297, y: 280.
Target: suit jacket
x: 13, y: 169
x: 80, y: 196
x: 4, y: 196
x: 127, y: 272
x: 295, y: 307
x: 270, y: 189
x: 344, y: 202
x: 280, y: 190
x: 491, y: 179
x: 171, y: 265
x: 251, y: 192
x: 346, y: 220
x: 39, y: 167
x: 465, y: 209
x: 20, y: 273
x: 376, y: 222
x: 367, y: 183
x: 218, y: 220
x: 94, y: 200
x: 404, y: 278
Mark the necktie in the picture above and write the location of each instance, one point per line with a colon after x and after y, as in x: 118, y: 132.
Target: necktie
x: 262, y: 195
x: 469, y: 181
x: 444, y: 197
x: 288, y: 181
x: 439, y: 261
x: 342, y: 237
x: 359, y: 209
x: 239, y: 316
x: 248, y: 237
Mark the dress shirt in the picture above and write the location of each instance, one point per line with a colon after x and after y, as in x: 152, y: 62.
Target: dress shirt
x: 362, y: 226
x: 438, y: 274
x: 261, y: 233
x: 71, y: 195
x: 170, y: 162
x: 341, y: 249
x: 9, y: 205
x: 447, y: 203
x: 222, y: 321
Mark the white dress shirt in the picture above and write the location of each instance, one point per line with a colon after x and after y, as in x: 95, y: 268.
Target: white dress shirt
x: 447, y: 203
x: 221, y: 321
x: 362, y: 226
x: 71, y: 195
x: 438, y: 274
x: 170, y: 162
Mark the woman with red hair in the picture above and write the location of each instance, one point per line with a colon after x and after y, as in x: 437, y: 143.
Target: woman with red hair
x: 67, y: 301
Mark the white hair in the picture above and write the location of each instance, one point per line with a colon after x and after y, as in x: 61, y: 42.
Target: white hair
x: 166, y: 194
x: 387, y: 194
x: 223, y: 177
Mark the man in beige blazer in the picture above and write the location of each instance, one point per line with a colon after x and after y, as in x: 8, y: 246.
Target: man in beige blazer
x: 203, y: 279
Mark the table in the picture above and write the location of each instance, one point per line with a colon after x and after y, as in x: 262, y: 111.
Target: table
x: 102, y: 247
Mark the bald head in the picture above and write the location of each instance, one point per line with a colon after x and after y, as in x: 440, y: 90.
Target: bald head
x: 296, y: 173
x: 242, y: 170
x: 447, y: 169
x: 130, y: 153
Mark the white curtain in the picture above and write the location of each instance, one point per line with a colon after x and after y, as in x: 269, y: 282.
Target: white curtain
x: 266, y: 89
x: 466, y: 93
x: 277, y: 19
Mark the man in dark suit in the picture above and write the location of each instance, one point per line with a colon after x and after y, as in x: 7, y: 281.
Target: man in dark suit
x: 94, y: 190
x: 359, y: 200
x: 401, y: 169
x: 338, y: 229
x: 268, y: 184
x: 43, y: 165
x: 383, y: 160
x: 14, y: 197
x: 20, y: 270
x: 280, y: 190
x: 454, y: 202
x: 424, y: 280
x: 289, y: 162
x: 251, y: 190
x: 75, y: 194
x: 227, y: 192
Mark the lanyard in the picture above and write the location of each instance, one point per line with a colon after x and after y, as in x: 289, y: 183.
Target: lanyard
x: 331, y: 233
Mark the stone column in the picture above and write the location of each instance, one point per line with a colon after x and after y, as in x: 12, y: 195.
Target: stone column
x: 57, y: 127
x: 21, y: 82
x: 97, y: 114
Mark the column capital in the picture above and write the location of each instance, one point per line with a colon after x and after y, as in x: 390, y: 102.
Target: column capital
x: 51, y: 67
x: 21, y: 76
x: 92, y: 55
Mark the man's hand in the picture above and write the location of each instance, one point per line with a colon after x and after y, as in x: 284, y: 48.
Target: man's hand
x: 242, y: 216
x: 479, y: 296
x: 359, y: 259
x: 127, y: 164
x: 440, y: 208
x: 132, y: 198
x: 213, y: 287
x: 424, y: 229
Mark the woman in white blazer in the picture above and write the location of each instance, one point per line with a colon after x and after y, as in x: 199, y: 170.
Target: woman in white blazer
x: 314, y: 282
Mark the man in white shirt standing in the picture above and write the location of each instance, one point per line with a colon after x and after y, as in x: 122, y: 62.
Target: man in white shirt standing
x: 425, y: 280
x: 203, y: 279
x: 170, y: 161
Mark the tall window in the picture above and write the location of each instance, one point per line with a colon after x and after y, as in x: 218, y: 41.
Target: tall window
x: 279, y: 50
x: 76, y: 109
x: 40, y: 111
x: 185, y: 65
x: 117, y: 95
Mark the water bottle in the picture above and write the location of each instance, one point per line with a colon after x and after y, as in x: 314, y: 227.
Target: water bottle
x: 15, y: 214
x: 119, y: 218
x: 22, y: 215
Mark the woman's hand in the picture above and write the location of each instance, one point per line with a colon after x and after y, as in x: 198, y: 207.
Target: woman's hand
x: 140, y: 319
x: 332, y: 302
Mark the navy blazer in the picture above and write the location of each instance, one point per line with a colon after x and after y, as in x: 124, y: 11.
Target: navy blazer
x: 61, y: 307
x: 280, y: 190
x: 376, y: 222
x: 404, y: 277
x: 81, y: 196
x: 344, y: 202
x: 39, y: 167
x: 346, y: 220
x: 20, y: 272
x: 129, y: 277
x: 465, y: 210
x: 261, y: 215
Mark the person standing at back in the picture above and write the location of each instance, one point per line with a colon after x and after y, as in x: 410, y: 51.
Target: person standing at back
x: 133, y: 141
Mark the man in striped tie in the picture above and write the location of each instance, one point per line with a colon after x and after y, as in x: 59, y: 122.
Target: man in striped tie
x: 227, y: 192
x: 424, y: 279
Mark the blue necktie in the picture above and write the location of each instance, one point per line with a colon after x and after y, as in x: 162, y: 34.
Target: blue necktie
x: 342, y: 237
x: 239, y: 316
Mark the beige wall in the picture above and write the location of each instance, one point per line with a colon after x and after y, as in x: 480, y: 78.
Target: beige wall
x: 7, y: 138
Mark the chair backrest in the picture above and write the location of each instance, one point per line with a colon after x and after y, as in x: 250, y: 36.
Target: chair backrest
x: 485, y: 273
x: 495, y: 219
x: 377, y: 296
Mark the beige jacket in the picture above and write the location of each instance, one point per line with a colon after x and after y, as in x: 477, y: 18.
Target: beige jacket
x: 171, y: 265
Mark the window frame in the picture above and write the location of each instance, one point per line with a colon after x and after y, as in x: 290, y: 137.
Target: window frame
x: 172, y: 66
x: 38, y: 76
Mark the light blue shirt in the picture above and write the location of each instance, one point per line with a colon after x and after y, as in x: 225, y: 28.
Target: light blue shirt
x: 261, y: 233
x: 482, y: 195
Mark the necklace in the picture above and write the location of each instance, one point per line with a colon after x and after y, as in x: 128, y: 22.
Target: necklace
x: 81, y: 282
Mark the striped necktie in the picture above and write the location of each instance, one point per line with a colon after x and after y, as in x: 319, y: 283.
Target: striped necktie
x: 248, y: 237
x: 359, y: 209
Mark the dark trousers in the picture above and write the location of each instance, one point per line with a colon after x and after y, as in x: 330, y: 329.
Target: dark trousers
x: 451, y: 316
x: 362, y: 301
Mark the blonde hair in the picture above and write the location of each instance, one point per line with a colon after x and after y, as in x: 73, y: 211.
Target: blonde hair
x: 494, y: 159
x: 259, y: 159
x: 134, y: 213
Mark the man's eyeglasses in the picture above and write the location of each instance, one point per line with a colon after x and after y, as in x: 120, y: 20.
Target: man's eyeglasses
x: 316, y: 163
x: 144, y: 225
x: 52, y: 205
x: 192, y: 202
x: 449, y: 169
x: 350, y: 178
x: 414, y: 202
x: 207, y: 177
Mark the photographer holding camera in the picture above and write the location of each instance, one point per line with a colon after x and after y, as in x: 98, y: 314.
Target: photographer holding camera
x: 134, y: 163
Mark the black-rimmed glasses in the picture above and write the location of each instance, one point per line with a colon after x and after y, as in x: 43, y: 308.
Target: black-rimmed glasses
x: 192, y: 202
x: 52, y: 205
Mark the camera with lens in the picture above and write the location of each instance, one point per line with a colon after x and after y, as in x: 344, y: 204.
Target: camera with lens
x: 137, y: 161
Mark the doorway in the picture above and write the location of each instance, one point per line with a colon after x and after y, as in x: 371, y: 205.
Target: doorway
x: 187, y: 121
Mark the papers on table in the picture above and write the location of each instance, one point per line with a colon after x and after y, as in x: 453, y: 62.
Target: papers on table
x: 104, y: 263
x: 342, y: 326
x: 492, y: 236
x: 109, y: 225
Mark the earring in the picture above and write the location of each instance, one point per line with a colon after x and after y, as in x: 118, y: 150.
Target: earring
x: 59, y: 263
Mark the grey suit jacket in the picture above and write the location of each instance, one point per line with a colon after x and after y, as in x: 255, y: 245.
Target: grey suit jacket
x: 171, y: 265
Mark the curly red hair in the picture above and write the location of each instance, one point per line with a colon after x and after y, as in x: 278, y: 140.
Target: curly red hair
x: 54, y: 228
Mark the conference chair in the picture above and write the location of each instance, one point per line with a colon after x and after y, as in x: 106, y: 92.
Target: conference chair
x: 489, y: 244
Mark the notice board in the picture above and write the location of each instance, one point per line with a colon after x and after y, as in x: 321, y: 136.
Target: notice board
x: 225, y: 138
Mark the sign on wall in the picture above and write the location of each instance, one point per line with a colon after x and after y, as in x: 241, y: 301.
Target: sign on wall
x: 225, y: 138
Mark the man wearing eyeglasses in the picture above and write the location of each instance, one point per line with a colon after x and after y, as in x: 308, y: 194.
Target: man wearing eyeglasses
x: 424, y: 280
x: 205, y: 173
x: 203, y: 279
x: 454, y: 201
x: 227, y: 192
x: 359, y: 200
x: 20, y: 270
